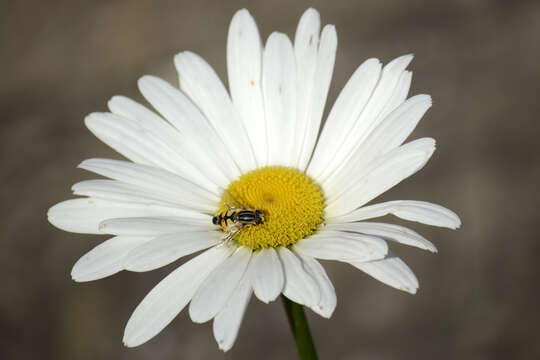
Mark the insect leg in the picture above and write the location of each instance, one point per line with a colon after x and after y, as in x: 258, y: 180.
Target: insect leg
x: 230, y: 235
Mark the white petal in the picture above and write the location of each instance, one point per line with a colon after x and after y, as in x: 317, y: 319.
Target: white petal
x: 115, y: 190
x: 343, y: 246
x: 186, y: 160
x: 178, y: 189
x: 391, y: 133
x: 125, y: 137
x: 383, y: 174
x: 383, y: 96
x: 85, y: 215
x: 344, y: 114
x: 200, y: 144
x: 300, y: 286
x: 170, y: 296
x: 148, y: 226
x: 149, y: 120
x: 392, y: 271
x: 323, y: 75
x: 399, y: 95
x: 105, y: 259
x: 279, y: 91
x: 199, y: 81
x: 420, y: 211
x: 314, y: 64
x: 306, y: 43
x: 143, y: 145
x: 228, y: 321
x: 219, y: 286
x: 390, y: 232
x: 244, y: 64
x: 327, y: 304
x: 167, y: 248
x: 267, y: 275
x: 370, y: 115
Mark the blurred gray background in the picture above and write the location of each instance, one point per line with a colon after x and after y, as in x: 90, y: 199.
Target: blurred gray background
x: 479, y: 59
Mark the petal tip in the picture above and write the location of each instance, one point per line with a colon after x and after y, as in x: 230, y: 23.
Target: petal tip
x: 127, y: 343
x: 144, y: 81
x: 223, y: 346
x: 325, y: 313
x: 411, y: 291
x: 84, y: 164
x: 242, y: 11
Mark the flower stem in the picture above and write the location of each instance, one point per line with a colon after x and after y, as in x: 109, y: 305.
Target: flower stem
x: 300, y: 329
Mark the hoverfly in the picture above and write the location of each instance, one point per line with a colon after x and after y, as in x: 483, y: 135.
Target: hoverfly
x: 236, y: 218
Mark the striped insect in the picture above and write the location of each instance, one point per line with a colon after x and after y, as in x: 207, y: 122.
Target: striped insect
x: 236, y: 218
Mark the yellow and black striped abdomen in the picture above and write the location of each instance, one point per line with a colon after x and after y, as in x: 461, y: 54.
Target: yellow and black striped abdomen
x: 224, y: 219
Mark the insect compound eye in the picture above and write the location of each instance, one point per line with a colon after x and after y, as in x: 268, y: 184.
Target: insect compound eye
x: 215, y: 220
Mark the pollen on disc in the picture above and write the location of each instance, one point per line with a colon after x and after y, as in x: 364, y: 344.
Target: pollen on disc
x: 292, y: 204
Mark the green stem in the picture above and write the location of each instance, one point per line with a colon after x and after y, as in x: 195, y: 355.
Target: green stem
x: 300, y: 329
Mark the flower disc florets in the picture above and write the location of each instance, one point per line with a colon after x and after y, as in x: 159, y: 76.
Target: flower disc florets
x: 292, y: 204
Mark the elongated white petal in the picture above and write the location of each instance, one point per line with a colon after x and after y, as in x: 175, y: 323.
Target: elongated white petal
x: 399, y: 95
x: 124, y: 137
x: 300, y: 286
x: 149, y: 120
x: 382, y: 99
x: 200, y: 145
x: 156, y: 180
x: 306, y: 44
x: 279, y: 91
x: 118, y: 191
x: 343, y: 246
x: 170, y: 296
x: 383, y: 174
x: 167, y: 248
x: 106, y: 259
x: 344, y: 114
x: 267, y: 275
x: 85, y: 215
x: 392, y: 271
x: 244, y: 65
x: 305, y: 48
x: 219, y: 286
x: 328, y: 301
x: 420, y: 211
x: 141, y: 144
x: 148, y: 226
x: 173, y: 140
x: 323, y: 75
x: 228, y: 321
x: 390, y: 133
x: 390, y: 232
x: 370, y: 115
x: 199, y: 81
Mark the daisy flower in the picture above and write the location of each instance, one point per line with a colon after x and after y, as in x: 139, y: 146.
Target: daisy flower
x: 207, y: 154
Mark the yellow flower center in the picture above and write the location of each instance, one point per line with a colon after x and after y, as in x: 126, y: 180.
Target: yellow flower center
x: 291, y: 203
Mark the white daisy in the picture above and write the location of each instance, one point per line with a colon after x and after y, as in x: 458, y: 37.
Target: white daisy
x: 260, y: 147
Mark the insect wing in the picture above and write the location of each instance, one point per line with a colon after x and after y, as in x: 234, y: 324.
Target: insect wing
x: 230, y: 201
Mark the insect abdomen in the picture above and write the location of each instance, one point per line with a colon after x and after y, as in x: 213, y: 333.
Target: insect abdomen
x: 223, y: 219
x: 246, y: 217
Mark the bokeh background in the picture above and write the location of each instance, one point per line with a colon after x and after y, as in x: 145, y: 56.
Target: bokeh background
x: 479, y: 59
